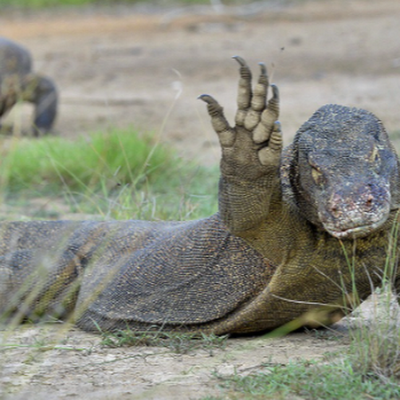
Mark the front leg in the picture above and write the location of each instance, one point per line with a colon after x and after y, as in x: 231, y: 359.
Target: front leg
x: 42, y: 92
x: 251, y: 154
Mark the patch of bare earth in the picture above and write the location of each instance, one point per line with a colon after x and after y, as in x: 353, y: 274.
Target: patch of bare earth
x: 132, y: 66
x: 76, y: 365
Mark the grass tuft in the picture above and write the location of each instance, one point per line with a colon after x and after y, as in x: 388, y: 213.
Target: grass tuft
x: 119, y: 174
x: 310, y: 380
x: 375, y: 344
x: 116, y: 157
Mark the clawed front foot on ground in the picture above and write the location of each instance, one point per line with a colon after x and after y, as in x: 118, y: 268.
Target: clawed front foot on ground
x: 254, y: 144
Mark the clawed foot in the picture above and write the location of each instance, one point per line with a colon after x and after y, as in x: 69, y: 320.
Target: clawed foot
x: 257, y: 133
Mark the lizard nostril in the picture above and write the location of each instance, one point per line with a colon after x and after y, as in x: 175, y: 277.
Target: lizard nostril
x: 334, y: 205
x: 370, y: 201
x: 335, y: 210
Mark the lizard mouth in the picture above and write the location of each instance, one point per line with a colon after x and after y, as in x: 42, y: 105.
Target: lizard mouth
x: 355, y: 219
x: 356, y: 232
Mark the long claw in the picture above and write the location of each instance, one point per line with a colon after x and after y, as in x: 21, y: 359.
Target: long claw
x: 225, y: 133
x: 273, y: 103
x: 213, y: 107
x: 240, y: 60
x: 207, y: 98
x: 263, y: 68
x: 275, y: 91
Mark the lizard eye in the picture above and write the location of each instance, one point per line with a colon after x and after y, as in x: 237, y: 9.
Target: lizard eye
x: 375, y: 155
x: 317, y: 175
x: 375, y: 158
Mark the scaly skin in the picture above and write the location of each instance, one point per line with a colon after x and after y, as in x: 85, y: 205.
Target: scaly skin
x: 19, y: 83
x: 295, y: 231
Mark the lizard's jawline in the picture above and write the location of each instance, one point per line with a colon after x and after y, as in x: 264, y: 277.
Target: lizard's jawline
x: 357, y: 232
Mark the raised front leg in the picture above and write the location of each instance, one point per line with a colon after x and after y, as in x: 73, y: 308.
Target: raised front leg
x: 251, y: 153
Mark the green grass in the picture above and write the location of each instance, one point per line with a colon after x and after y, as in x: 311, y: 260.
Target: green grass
x: 376, y: 344
x: 330, y: 379
x: 45, y: 3
x: 37, y: 4
x: 118, y: 174
x: 118, y: 157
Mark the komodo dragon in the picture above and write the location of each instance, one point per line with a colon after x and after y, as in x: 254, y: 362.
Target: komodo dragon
x: 19, y: 83
x: 293, y: 232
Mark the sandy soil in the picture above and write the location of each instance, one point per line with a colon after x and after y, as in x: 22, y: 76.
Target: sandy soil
x: 82, y: 369
x: 146, y: 66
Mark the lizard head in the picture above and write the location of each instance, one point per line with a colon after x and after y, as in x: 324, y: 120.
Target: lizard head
x: 342, y: 172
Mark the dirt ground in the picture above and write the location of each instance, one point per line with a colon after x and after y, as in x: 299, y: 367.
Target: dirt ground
x: 145, y: 66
